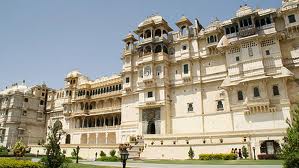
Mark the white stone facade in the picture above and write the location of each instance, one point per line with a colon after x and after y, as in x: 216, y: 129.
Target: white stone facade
x: 228, y: 85
x: 22, y: 114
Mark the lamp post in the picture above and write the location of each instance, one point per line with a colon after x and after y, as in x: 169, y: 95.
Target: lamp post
x: 77, y: 152
x: 253, y: 148
x: 124, y: 154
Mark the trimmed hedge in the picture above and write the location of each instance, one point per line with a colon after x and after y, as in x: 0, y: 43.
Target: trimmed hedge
x: 12, y: 163
x: 219, y: 156
x: 109, y: 159
x: 267, y: 157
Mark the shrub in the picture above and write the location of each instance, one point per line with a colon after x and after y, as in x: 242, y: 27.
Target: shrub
x: 290, y: 150
x: 245, y: 152
x: 7, y: 163
x: 267, y: 157
x: 191, y: 153
x: 108, y: 159
x: 3, y: 151
x: 112, y: 152
x: 19, y: 149
x: 102, y: 154
x: 220, y: 156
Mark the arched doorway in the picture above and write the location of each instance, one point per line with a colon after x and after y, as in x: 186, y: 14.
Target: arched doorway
x: 270, y: 147
x: 68, y: 139
x: 151, y: 128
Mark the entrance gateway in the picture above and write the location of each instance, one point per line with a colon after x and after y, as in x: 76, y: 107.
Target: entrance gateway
x: 151, y: 121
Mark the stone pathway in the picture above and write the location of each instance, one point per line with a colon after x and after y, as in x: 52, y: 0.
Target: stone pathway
x: 152, y: 165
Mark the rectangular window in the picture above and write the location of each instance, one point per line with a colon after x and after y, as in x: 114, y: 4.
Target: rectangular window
x: 24, y: 113
x: 250, y: 52
x: 256, y: 92
x: 41, y: 102
x: 26, y: 100
x: 237, y: 58
x: 267, y: 52
x: 190, y: 107
x: 292, y: 18
x: 149, y: 94
x: 127, y: 80
x: 186, y: 68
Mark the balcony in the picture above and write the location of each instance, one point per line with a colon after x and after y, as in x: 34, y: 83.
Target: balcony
x: 259, y: 106
x: 247, y: 31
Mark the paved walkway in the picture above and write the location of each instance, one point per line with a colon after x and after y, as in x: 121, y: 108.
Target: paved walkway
x: 152, y: 165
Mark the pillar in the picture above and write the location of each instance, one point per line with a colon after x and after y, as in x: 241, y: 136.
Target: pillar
x: 106, y: 138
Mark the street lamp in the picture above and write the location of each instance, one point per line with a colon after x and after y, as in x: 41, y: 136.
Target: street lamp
x: 253, y: 148
x: 124, y: 154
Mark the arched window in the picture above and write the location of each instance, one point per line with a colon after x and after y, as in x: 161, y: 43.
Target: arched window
x: 147, y: 34
x: 82, y: 105
x: 159, y: 70
x: 219, y: 105
x: 148, y: 49
x: 256, y: 92
x: 68, y: 139
x: 147, y: 71
x: 158, y: 33
x: 87, y: 93
x: 128, y: 45
x: 240, y: 95
x: 158, y: 49
x: 86, y: 106
x: 275, y: 90
x: 184, y: 30
x: 165, y: 50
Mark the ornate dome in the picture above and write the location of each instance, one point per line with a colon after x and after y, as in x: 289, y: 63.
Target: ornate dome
x: 152, y: 19
x: 74, y: 73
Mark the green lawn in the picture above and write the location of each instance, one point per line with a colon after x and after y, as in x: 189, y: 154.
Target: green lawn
x: 216, y: 162
x: 79, y: 165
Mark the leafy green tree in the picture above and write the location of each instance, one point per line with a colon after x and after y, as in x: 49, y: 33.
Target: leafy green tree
x: 54, y: 157
x: 290, y: 150
x: 191, y: 153
x: 102, y: 154
x: 112, y: 153
x: 19, y: 149
x: 245, y: 152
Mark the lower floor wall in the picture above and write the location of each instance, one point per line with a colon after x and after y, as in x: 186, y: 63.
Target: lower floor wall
x: 178, y: 147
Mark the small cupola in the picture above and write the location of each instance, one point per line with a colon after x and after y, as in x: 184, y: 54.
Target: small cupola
x: 129, y: 41
x: 184, y: 23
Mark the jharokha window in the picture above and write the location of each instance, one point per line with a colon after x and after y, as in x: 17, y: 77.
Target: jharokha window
x: 256, y: 92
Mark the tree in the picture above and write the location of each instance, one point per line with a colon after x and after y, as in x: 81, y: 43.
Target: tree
x: 112, y: 153
x: 54, y: 156
x: 245, y: 152
x: 191, y: 153
x: 290, y: 150
x: 102, y: 154
x: 19, y: 149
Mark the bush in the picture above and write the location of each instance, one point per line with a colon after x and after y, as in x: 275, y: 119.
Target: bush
x: 19, y: 149
x: 3, y: 151
x: 112, y: 152
x: 6, y: 163
x: 191, y: 153
x: 102, y: 154
x: 220, y: 156
x: 109, y: 159
x: 267, y: 157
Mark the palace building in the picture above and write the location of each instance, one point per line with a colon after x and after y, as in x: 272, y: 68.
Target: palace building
x: 22, y: 114
x: 216, y: 88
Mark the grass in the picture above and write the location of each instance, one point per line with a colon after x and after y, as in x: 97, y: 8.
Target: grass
x: 79, y: 165
x: 215, y: 162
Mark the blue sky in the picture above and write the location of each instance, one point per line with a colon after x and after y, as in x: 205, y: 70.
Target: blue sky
x: 42, y: 40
